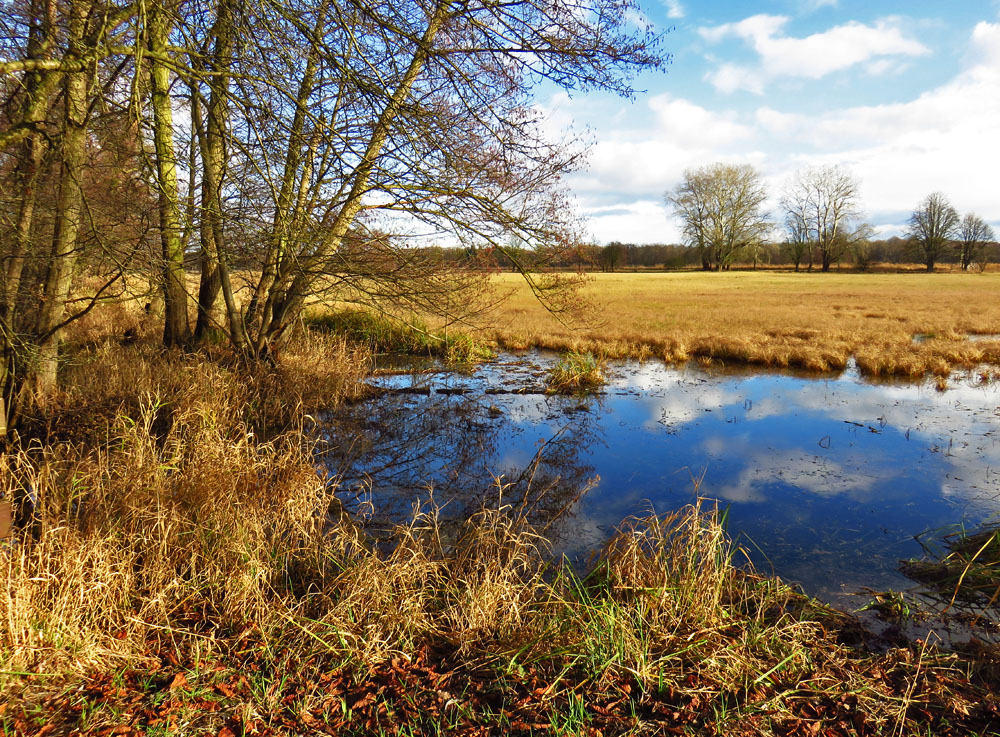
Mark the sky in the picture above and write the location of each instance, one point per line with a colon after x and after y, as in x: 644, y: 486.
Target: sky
x: 905, y: 95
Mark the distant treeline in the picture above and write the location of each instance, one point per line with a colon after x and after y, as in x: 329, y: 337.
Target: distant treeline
x: 618, y: 256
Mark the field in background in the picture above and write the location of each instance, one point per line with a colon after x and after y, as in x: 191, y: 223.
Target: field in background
x: 809, y: 320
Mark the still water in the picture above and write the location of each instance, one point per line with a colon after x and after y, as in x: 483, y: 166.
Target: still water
x: 827, y: 480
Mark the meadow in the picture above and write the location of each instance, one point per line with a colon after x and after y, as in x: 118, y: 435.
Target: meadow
x: 894, y: 324
x: 186, y: 568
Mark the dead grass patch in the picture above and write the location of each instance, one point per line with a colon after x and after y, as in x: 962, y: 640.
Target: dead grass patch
x: 812, y: 321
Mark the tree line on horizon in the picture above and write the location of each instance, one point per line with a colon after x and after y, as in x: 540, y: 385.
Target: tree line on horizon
x: 723, y: 211
x: 820, y: 224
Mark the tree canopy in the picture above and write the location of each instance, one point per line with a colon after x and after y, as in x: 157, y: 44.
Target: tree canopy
x: 933, y: 228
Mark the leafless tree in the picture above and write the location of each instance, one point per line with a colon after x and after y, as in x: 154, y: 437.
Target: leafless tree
x: 973, y: 235
x: 933, y: 228
x: 722, y: 208
x: 821, y: 211
x: 326, y: 137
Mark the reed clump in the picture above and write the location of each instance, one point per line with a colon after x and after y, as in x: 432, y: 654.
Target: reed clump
x: 249, y: 607
x: 574, y: 373
x: 383, y: 333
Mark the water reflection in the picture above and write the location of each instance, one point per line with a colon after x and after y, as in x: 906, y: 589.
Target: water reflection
x: 464, y: 451
x: 828, y: 480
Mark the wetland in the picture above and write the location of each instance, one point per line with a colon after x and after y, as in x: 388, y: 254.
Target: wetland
x: 827, y: 481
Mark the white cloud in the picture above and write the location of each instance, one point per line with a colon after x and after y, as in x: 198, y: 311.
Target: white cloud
x: 938, y: 141
x: 886, y: 67
x: 942, y: 140
x: 812, y: 57
x: 681, y: 135
x: 811, y: 5
x: 642, y: 163
x: 645, y: 221
x: 674, y: 8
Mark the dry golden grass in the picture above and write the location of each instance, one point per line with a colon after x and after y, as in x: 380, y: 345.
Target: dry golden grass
x: 181, y: 518
x: 813, y: 321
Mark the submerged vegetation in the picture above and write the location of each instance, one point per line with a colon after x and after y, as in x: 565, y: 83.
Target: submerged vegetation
x: 963, y: 566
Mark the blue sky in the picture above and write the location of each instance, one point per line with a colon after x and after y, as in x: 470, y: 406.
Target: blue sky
x: 904, y: 95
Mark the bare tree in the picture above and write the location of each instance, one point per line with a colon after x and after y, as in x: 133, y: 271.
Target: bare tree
x: 797, y: 244
x: 973, y: 235
x: 722, y: 208
x: 933, y: 228
x: 611, y: 256
x: 65, y: 154
x: 325, y: 138
x: 821, y: 209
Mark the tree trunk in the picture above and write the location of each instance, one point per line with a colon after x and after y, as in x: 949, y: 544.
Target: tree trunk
x: 212, y: 142
x: 62, y: 260
x: 176, y: 328
x: 207, y: 325
x: 37, y: 87
x: 258, y: 311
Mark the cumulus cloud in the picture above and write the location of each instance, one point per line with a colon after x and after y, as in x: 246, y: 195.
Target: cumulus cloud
x: 811, y: 57
x: 674, y: 8
x: 811, y: 5
x: 902, y: 151
x: 645, y: 221
x: 650, y: 160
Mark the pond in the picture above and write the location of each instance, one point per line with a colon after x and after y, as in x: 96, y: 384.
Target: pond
x: 827, y: 480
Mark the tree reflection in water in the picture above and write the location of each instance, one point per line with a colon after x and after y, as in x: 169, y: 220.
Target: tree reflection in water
x: 397, y: 453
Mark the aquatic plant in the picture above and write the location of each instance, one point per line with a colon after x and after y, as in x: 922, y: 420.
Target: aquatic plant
x: 962, y: 566
x: 575, y: 372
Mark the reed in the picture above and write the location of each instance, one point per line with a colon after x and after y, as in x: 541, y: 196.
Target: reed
x: 575, y: 373
x: 382, y: 333
x: 186, y: 568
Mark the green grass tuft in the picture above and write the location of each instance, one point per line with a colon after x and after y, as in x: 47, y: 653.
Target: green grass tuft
x: 382, y: 333
x: 576, y: 372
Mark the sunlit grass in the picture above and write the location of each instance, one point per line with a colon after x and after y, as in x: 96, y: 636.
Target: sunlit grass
x: 779, y: 319
x: 187, y: 569
x: 575, y: 372
x: 382, y: 333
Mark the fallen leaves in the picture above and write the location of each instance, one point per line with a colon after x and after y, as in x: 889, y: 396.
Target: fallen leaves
x: 250, y: 693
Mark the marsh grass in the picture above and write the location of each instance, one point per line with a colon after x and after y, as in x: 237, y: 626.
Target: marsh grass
x: 575, y: 373
x: 187, y: 569
x: 809, y: 321
x: 383, y: 333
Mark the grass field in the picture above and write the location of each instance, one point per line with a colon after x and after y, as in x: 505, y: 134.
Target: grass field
x: 809, y: 320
